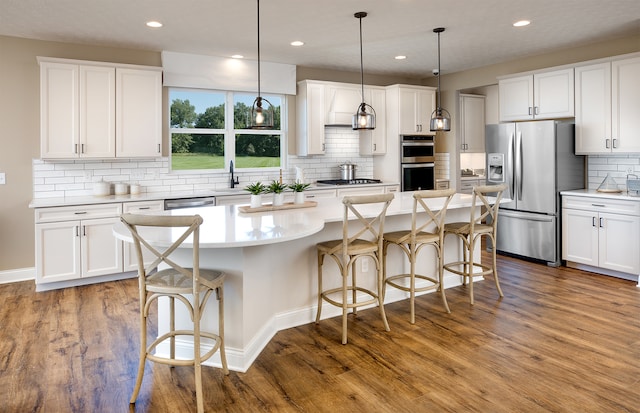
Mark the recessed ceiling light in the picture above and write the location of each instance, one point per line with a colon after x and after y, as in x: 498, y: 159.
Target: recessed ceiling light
x: 237, y: 56
x: 400, y: 57
x: 297, y: 43
x: 521, y: 23
x: 154, y: 24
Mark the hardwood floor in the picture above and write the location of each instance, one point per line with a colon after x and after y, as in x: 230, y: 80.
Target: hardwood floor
x: 560, y: 340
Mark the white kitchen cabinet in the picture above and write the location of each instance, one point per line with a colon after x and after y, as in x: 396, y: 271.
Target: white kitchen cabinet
x: 374, y: 142
x: 415, y: 105
x: 310, y: 118
x: 602, y: 234
x: 245, y: 198
x: 607, y: 107
x: 341, y: 102
x: 99, y: 110
x: 77, y: 242
x: 540, y: 95
x: 138, y: 113
x: 472, y: 123
x: 130, y: 259
x: 467, y: 185
x: 360, y: 190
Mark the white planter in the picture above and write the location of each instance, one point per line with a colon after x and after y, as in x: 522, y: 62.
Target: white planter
x: 298, y: 197
x: 256, y: 201
x: 278, y: 199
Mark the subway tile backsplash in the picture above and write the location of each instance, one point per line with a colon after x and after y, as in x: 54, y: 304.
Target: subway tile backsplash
x: 618, y: 166
x: 68, y: 178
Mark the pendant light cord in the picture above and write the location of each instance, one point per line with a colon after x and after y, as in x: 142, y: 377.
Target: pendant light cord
x: 361, y: 63
x: 439, y: 93
x: 258, y: 1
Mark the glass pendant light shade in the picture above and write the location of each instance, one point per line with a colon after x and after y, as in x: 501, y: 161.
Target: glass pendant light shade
x: 440, y: 118
x: 261, y: 113
x: 363, y: 119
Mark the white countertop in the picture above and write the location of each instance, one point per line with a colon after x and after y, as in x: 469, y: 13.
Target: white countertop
x: 225, y: 226
x: 608, y: 195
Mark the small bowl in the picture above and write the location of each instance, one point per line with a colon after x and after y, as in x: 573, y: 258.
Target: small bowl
x: 121, y: 189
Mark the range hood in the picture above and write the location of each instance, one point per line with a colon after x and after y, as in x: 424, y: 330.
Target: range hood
x: 342, y: 105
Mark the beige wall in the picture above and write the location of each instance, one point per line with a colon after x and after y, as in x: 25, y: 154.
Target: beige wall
x: 19, y: 114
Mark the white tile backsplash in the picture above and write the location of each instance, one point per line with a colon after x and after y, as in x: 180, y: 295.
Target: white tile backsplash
x: 67, y: 178
x: 618, y: 166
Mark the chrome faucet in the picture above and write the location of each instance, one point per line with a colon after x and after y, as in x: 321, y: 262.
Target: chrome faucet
x: 235, y: 181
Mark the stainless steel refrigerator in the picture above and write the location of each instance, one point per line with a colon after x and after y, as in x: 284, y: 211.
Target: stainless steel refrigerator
x: 536, y: 160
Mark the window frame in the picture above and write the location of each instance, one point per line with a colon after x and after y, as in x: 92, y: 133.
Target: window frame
x: 229, y: 132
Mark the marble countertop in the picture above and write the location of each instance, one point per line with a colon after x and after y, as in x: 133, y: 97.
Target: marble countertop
x: 606, y: 195
x: 225, y: 226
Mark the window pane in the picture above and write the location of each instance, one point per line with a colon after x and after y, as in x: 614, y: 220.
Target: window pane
x: 242, y: 104
x: 197, y: 109
x: 257, y: 151
x: 197, y: 151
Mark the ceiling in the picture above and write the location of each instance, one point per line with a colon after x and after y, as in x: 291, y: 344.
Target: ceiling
x: 478, y: 33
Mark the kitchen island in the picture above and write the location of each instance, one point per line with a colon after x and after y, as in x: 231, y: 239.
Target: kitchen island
x: 271, y: 265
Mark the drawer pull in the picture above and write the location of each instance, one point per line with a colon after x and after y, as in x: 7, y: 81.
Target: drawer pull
x: 80, y: 213
x: 141, y: 208
x: 599, y: 205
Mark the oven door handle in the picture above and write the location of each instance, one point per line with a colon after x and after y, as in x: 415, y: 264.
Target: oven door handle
x: 418, y: 165
x: 417, y: 144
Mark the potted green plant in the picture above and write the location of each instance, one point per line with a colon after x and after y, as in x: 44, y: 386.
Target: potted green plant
x: 256, y: 190
x: 277, y: 189
x: 298, y: 189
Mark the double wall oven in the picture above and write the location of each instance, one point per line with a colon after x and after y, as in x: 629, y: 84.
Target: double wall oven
x: 417, y: 163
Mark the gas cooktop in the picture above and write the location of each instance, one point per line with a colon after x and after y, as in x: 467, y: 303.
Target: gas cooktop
x: 349, y: 181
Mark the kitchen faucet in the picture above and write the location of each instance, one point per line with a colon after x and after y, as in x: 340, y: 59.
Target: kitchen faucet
x: 235, y: 181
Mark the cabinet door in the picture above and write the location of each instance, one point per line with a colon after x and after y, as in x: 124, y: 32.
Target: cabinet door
x: 472, y: 122
x: 97, y: 112
x: 138, y: 113
x: 408, y: 109
x: 580, y: 236
x: 619, y: 242
x: 426, y: 105
x: 57, y: 251
x: 374, y: 142
x: 593, y: 108
x: 516, y: 98
x: 233, y: 199
x: 58, y: 110
x: 101, y: 250
x: 310, y: 118
x: 625, y: 110
x: 553, y: 94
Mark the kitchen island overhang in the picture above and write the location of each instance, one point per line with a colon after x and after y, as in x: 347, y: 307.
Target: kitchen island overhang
x: 271, y: 265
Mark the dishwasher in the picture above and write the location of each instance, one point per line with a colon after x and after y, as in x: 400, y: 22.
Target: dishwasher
x: 197, y: 202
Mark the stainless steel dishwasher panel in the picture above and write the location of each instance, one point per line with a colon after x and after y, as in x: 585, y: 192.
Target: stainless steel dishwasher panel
x: 196, y: 202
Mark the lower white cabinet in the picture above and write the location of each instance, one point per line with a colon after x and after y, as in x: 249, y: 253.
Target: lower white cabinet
x: 601, y: 233
x: 130, y: 259
x: 466, y: 185
x: 77, y: 242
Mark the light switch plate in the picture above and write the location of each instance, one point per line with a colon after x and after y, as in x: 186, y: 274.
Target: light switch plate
x: 3, y: 178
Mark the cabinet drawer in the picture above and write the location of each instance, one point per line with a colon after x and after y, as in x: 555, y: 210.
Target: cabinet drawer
x: 142, y: 206
x: 595, y: 204
x: 56, y: 214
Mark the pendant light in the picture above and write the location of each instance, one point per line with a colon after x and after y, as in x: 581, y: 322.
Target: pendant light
x: 261, y: 115
x: 363, y: 119
x: 440, y: 118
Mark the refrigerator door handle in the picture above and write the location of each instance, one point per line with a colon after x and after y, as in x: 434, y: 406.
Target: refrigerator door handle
x: 511, y: 154
x: 519, y: 164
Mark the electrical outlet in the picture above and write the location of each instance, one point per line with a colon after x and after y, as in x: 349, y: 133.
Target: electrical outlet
x: 137, y: 174
x: 630, y: 170
x: 87, y: 175
x: 3, y: 178
x: 365, y: 265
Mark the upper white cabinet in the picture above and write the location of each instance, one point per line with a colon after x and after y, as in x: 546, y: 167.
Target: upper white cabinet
x: 607, y: 107
x: 374, y: 142
x: 544, y: 95
x: 472, y: 123
x: 414, y: 107
x: 310, y: 118
x: 98, y: 110
x: 138, y: 113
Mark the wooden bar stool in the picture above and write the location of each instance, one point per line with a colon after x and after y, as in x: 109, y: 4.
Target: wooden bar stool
x: 352, y: 247
x: 427, y: 229
x: 483, y: 222
x: 175, y: 282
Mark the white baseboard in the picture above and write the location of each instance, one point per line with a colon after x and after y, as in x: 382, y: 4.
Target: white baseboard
x: 21, y: 274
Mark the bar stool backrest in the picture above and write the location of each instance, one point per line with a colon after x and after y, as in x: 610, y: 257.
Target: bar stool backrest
x: 369, y: 227
x: 423, y: 217
x: 489, y: 207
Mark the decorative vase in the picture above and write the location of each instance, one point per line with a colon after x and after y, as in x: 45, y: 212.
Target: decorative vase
x: 256, y: 201
x: 278, y: 199
x: 298, y: 198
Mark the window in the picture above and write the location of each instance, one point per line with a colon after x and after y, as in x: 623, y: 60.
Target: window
x: 206, y: 134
